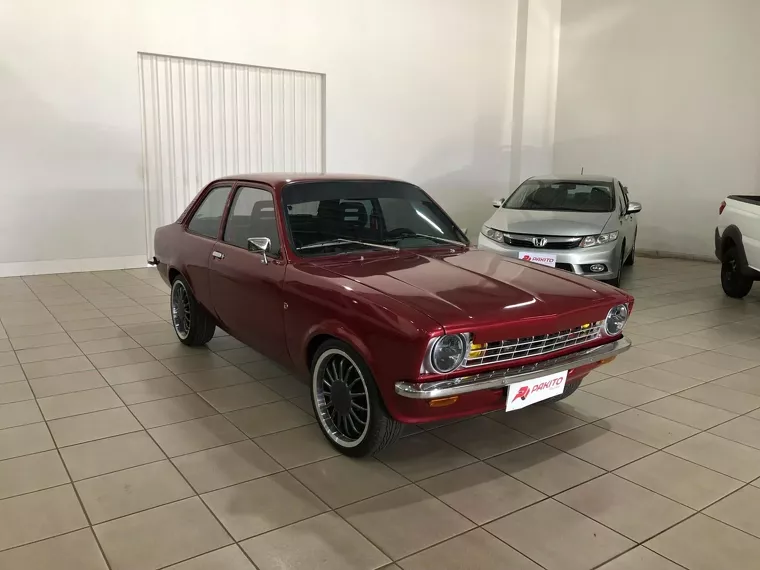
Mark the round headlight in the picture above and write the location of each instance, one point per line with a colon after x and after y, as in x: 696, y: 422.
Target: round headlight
x: 448, y: 353
x: 616, y: 320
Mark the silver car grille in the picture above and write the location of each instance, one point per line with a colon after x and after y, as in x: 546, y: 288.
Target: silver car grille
x: 549, y: 242
x: 513, y: 349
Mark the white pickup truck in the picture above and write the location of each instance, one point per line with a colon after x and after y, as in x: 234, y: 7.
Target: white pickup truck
x: 737, y: 244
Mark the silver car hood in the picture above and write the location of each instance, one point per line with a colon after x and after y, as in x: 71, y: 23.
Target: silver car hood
x: 545, y: 223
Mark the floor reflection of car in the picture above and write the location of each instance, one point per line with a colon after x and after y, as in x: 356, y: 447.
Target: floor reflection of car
x: 583, y: 224
x: 368, y: 288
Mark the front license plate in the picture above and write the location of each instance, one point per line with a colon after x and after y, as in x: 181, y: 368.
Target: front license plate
x: 523, y: 394
x: 548, y: 259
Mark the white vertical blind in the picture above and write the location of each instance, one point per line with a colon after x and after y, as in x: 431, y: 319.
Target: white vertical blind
x: 205, y: 119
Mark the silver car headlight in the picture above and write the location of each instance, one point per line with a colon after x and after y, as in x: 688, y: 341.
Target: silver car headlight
x: 448, y: 352
x: 616, y: 319
x: 601, y: 239
x: 493, y: 234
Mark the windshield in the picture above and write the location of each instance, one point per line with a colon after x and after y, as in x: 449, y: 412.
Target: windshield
x: 324, y: 218
x: 587, y: 196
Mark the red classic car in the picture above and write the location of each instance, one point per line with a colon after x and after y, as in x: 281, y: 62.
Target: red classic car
x: 368, y: 288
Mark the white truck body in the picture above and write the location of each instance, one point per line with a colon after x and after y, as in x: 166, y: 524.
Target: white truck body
x: 737, y: 244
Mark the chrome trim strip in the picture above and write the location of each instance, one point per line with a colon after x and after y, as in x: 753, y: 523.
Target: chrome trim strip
x: 501, y: 378
x: 550, y: 239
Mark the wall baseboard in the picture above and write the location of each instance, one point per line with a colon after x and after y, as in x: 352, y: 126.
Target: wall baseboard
x: 19, y: 268
x: 674, y: 255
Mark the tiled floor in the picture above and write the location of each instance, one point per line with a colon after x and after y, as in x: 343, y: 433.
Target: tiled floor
x: 122, y: 449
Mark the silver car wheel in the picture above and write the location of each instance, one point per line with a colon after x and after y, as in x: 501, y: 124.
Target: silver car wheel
x: 341, y: 398
x: 180, y: 305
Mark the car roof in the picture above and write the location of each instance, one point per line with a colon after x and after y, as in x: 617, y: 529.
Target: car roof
x: 279, y: 179
x: 574, y: 178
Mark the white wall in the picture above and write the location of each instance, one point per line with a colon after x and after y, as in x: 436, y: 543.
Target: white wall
x: 664, y: 94
x: 419, y: 89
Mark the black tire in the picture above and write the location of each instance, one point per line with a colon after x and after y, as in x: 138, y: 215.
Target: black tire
x: 570, y: 388
x: 191, y: 322
x: 617, y: 280
x: 735, y: 284
x: 378, y: 430
x: 632, y: 256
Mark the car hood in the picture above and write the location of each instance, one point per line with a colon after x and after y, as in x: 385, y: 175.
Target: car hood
x: 478, y: 290
x: 541, y: 222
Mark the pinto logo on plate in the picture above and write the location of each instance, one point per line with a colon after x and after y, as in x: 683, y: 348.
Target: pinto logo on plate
x: 523, y: 394
x: 547, y: 259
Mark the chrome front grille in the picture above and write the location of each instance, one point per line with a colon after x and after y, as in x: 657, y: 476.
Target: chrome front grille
x: 552, y: 242
x: 513, y: 349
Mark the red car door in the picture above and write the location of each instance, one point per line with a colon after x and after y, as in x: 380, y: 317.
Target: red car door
x: 246, y: 286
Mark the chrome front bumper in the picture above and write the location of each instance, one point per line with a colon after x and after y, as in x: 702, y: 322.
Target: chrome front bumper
x: 502, y: 378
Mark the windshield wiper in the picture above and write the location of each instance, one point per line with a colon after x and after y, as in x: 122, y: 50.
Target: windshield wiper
x: 335, y: 242
x: 435, y: 238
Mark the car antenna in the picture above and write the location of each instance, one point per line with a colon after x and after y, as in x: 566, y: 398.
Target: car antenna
x: 581, y: 170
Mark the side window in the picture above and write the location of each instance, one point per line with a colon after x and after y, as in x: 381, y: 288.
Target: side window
x: 252, y: 215
x: 208, y: 217
x: 624, y: 194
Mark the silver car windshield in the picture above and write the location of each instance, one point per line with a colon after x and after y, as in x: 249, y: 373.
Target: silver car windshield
x: 561, y: 196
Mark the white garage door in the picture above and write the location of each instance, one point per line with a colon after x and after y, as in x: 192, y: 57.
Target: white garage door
x: 205, y: 119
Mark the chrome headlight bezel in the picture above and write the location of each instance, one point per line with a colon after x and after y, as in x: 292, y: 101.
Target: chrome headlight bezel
x: 616, y: 319
x: 601, y: 239
x: 429, y: 365
x: 492, y: 234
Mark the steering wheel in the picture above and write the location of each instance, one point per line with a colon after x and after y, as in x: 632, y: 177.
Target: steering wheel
x: 399, y: 232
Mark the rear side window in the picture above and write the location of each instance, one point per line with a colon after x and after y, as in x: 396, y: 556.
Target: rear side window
x: 208, y: 217
x: 252, y: 216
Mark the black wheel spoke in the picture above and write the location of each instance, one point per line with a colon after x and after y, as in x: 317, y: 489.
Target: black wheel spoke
x: 356, y: 406
x: 342, y: 399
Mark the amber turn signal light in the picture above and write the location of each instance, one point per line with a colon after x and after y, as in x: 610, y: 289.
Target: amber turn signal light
x: 442, y: 402
x: 607, y: 360
x: 477, y: 350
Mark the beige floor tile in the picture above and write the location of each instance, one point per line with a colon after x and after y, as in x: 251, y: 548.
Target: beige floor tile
x: 695, y: 370
x: 12, y: 373
x: 135, y: 372
x: 288, y: 386
x: 19, y: 414
x: 683, y: 481
x: 669, y: 348
x: 195, y: 435
x: 603, y: 448
x: 258, y: 506
x: 624, y: 392
x: 67, y: 383
x: 482, y: 437
x: 722, y: 455
x: 480, y: 492
x: 54, y: 352
x: 297, y: 446
x: 688, y: 412
x: 269, y: 418
x: 325, y: 542
x: 175, y: 350
x: 215, y: 378
x: 150, y: 390
x: 8, y: 359
x: 727, y: 362
x: 423, y: 455
x: 405, y: 521
x: 161, y: 536
x: 203, y: 361
x: 342, y: 480
x: 588, y: 407
x: 577, y: 542
x: 76, y: 403
x: 92, y: 426
x: 74, y: 551
x: 632, y: 360
x: 132, y: 490
x: 86, y: 324
x: 227, y: 558
x: 15, y: 331
x: 171, y: 410
x: 31, y: 473
x: 57, y: 367
x: 625, y: 507
x: 242, y: 355
x: 24, y: 440
x: 545, y: 468
x: 723, y: 398
x: 647, y: 428
x: 739, y: 510
x: 5, y: 345
x: 661, y: 380
x: 40, y: 515
x: 474, y: 550
x: 304, y: 404
x: 148, y: 328
x: 744, y: 429
x: 640, y: 558
x: 537, y: 421
x: 109, y: 455
x: 264, y: 370
x: 39, y: 341
x: 15, y: 392
x: 224, y: 343
x: 702, y: 543
x: 164, y: 336
x: 120, y: 358
x: 224, y: 466
x: 748, y: 382
x: 96, y: 334
x: 239, y: 396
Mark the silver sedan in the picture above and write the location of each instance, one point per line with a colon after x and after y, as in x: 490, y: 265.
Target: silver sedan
x: 584, y: 224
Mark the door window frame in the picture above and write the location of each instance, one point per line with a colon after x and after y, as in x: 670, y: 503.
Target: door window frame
x: 238, y: 186
x: 223, y: 220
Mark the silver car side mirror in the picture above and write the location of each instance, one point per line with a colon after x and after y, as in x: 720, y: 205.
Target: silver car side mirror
x: 260, y: 245
x: 498, y: 203
x: 633, y: 208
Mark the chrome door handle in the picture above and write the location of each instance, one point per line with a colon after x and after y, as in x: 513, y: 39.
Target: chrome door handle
x: 218, y: 254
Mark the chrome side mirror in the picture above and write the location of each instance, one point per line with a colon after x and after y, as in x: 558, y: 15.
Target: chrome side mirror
x: 633, y: 208
x: 498, y: 203
x: 260, y: 245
